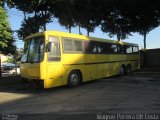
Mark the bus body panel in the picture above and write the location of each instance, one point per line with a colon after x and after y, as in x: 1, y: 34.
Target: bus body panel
x: 55, y: 74
x: 30, y: 71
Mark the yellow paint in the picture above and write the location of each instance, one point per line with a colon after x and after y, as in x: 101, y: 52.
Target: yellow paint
x: 56, y: 73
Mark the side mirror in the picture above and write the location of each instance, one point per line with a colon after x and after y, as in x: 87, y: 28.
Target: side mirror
x: 48, y: 47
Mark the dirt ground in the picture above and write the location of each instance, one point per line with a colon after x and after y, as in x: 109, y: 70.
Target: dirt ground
x: 137, y: 93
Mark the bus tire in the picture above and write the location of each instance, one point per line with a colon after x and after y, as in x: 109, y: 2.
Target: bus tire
x: 122, y: 70
x: 129, y: 69
x: 73, y: 79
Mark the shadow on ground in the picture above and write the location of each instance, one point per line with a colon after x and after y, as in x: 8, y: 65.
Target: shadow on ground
x: 134, y: 93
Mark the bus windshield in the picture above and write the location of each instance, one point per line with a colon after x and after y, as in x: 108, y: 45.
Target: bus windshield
x: 33, y: 50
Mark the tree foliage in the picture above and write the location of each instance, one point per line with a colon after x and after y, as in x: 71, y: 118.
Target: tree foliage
x: 65, y: 12
x: 6, y: 38
x: 28, y: 27
x: 38, y: 9
x: 116, y: 17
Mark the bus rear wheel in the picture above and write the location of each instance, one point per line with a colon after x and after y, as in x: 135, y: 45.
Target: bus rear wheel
x: 73, y: 79
x: 122, y: 70
x: 128, y: 69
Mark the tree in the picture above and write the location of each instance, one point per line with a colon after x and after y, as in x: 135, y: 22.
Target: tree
x: 2, y: 2
x: 65, y: 12
x: 28, y: 27
x: 6, y: 38
x: 84, y: 15
x: 116, y: 24
x: 125, y: 19
x: 144, y: 18
x: 38, y: 9
x: 145, y: 22
x: 116, y: 17
x: 18, y: 55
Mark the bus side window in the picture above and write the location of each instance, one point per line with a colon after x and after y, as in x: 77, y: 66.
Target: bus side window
x: 102, y: 47
x: 119, y: 49
x: 67, y: 45
x: 135, y: 49
x: 128, y: 49
x: 72, y: 45
x: 123, y: 51
x: 90, y: 47
x: 77, y: 46
x: 113, y: 48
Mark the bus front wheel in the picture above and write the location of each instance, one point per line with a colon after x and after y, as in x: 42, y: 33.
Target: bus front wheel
x: 73, y: 79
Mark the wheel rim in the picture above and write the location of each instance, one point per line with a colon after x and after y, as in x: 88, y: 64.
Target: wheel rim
x: 74, y: 79
x: 122, y: 71
x: 129, y: 69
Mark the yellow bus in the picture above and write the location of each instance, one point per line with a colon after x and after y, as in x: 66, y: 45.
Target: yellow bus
x: 53, y: 58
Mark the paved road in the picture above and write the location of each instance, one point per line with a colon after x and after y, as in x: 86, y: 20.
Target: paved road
x: 136, y: 93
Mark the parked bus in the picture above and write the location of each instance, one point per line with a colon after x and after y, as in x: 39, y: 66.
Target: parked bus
x: 53, y: 58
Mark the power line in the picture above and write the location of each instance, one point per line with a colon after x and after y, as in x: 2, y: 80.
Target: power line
x: 19, y: 15
x: 14, y: 15
x: 11, y: 11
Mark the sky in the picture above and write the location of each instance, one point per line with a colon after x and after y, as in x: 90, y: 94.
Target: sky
x: 153, y: 38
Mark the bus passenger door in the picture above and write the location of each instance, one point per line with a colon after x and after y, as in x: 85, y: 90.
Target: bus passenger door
x: 54, y: 64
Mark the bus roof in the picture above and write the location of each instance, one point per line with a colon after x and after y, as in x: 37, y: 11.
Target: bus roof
x: 77, y: 36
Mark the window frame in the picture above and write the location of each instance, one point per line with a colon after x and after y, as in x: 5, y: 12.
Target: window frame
x: 126, y: 49
x: 106, y: 45
x: 92, y: 51
x: 133, y: 49
x: 121, y: 48
x: 30, y: 40
x: 72, y: 39
x: 60, y: 56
